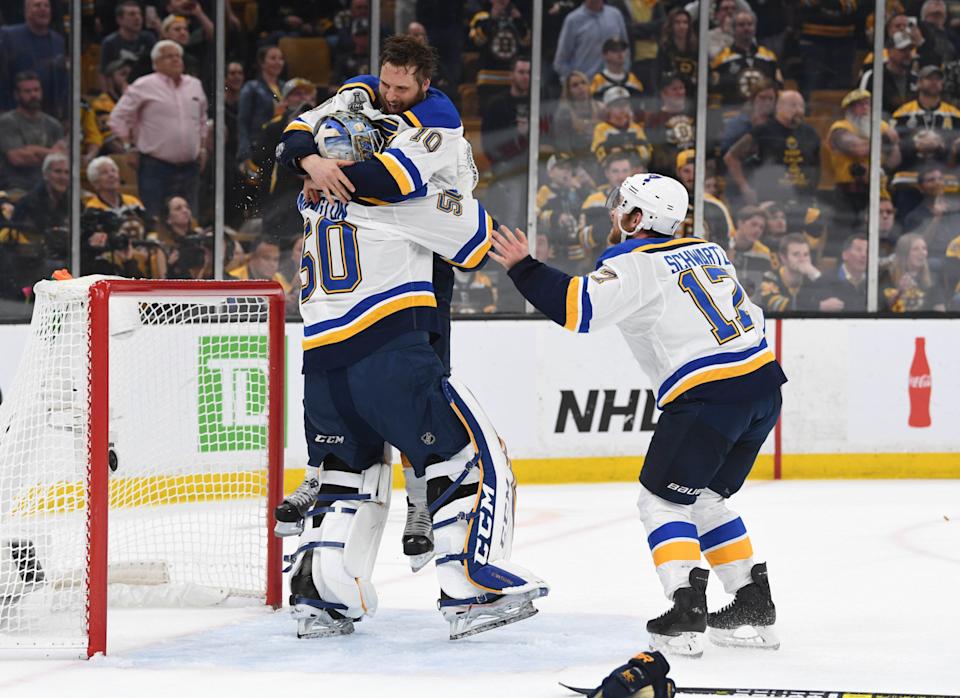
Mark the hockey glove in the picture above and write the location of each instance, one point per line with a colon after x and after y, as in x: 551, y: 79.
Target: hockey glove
x: 644, y: 676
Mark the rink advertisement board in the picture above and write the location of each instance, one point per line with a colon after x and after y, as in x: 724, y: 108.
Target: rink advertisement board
x: 865, y: 398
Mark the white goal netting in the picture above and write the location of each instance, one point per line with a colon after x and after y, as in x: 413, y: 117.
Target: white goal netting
x: 188, y: 429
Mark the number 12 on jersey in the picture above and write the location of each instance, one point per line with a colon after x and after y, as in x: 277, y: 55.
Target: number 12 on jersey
x: 335, y: 245
x: 723, y: 329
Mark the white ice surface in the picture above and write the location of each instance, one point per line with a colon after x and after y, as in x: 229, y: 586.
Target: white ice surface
x: 865, y: 575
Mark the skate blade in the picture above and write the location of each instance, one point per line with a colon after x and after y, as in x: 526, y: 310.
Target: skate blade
x: 282, y: 529
x: 760, y: 637
x: 522, y: 613
x: 311, y: 625
x: 418, y: 562
x: 681, y: 645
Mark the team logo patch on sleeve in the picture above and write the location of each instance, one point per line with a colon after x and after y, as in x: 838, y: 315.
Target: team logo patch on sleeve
x: 604, y: 274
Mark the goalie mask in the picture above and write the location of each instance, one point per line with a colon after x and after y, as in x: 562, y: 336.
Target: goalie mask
x: 662, y: 200
x: 347, y: 136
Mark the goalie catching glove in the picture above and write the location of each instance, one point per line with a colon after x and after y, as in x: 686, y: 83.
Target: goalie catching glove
x: 644, y: 676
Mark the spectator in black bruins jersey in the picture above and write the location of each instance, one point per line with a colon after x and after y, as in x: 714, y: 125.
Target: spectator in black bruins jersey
x: 501, y: 34
x: 594, y: 214
x: 897, y: 23
x: 739, y: 67
x: 797, y: 284
x: 671, y: 128
x: 848, y: 146
x: 786, y: 156
x: 575, y: 118
x: 678, y: 47
x: 899, y: 77
x: 929, y: 127
x: 618, y: 131
x: 827, y: 41
x: 751, y: 258
x: 907, y: 285
x: 558, y: 209
x: 717, y: 221
x: 616, y: 73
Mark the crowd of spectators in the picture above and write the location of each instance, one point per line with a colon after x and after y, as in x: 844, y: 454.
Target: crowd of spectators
x: 787, y: 148
x: 787, y: 178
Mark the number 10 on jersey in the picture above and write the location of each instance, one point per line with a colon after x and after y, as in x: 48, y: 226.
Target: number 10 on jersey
x: 335, y: 245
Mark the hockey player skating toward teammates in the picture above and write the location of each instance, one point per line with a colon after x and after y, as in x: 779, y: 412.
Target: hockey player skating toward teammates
x: 371, y: 377
x: 689, y: 324
x: 399, y: 100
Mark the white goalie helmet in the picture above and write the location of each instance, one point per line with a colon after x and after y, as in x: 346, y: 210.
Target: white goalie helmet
x: 663, y: 201
x: 347, y: 136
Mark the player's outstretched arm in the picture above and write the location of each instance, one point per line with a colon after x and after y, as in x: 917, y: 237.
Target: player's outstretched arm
x: 578, y: 303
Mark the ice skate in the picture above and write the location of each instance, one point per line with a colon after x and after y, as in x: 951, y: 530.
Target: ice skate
x: 318, y: 622
x: 477, y: 616
x: 290, y: 513
x: 748, y: 620
x: 680, y: 630
x: 418, y: 536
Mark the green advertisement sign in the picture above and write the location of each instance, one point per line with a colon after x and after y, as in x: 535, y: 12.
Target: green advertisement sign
x: 232, y: 393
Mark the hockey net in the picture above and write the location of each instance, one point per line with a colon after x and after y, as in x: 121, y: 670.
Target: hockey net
x: 140, y: 455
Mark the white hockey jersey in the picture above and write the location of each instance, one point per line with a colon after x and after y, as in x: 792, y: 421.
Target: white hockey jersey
x: 424, y: 144
x: 680, y: 308
x: 367, y: 270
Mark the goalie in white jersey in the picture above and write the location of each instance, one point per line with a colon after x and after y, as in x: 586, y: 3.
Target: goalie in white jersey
x: 694, y: 331
x: 370, y: 377
x: 425, y: 146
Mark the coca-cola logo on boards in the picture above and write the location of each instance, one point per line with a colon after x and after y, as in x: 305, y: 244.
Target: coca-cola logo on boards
x: 920, y: 381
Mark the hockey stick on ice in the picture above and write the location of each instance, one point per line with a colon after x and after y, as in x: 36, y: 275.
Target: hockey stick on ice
x: 781, y: 693
x: 789, y: 693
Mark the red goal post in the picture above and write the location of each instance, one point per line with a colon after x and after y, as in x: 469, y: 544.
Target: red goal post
x: 170, y: 319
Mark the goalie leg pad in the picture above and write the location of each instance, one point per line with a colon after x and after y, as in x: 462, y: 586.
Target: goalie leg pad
x: 673, y: 539
x: 472, y: 499
x: 342, y: 540
x: 724, y: 541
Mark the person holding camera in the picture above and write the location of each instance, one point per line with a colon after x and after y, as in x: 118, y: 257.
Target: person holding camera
x: 103, y: 248
x: 558, y: 210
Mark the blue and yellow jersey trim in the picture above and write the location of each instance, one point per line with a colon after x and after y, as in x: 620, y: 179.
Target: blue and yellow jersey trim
x: 298, y: 124
x: 367, y: 83
x: 402, y: 169
x: 726, y: 543
x: 713, y: 368
x: 675, y: 541
x: 373, y: 309
x: 434, y: 111
x: 579, y: 309
x: 472, y: 253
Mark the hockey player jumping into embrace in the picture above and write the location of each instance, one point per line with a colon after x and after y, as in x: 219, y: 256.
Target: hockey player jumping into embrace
x: 693, y: 330
x: 372, y: 377
x: 433, y: 151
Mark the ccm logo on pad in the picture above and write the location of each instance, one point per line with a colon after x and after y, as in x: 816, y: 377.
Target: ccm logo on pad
x: 324, y: 439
